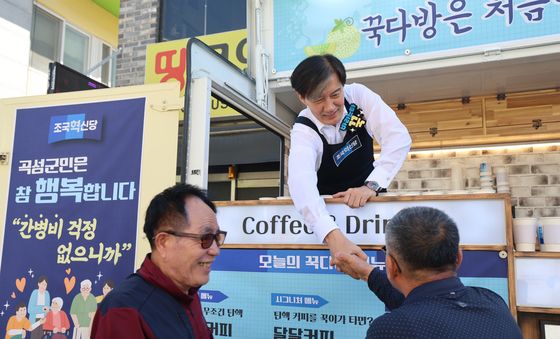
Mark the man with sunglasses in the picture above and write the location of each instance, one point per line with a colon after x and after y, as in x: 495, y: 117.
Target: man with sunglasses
x: 420, y: 286
x: 160, y: 300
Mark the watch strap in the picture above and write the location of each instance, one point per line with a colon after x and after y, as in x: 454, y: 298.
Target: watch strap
x: 374, y: 186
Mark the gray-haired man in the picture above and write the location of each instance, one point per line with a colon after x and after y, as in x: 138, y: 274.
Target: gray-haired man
x: 420, y: 284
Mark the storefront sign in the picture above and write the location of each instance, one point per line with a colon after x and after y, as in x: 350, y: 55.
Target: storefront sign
x: 480, y: 222
x: 167, y: 61
x: 361, y: 30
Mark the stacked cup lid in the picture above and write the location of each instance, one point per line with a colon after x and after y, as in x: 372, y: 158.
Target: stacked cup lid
x: 486, y: 180
x: 502, y: 183
x: 457, y: 179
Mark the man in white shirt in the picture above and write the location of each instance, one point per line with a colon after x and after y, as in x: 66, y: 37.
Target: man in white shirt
x: 331, y: 148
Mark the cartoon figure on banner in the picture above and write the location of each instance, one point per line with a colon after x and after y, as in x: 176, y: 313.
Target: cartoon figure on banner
x: 51, y: 321
x: 47, y: 322
x: 18, y: 324
x: 56, y: 323
x: 107, y: 287
x: 38, y: 305
x: 82, y: 311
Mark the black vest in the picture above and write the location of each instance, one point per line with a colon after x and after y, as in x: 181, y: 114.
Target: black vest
x: 349, y: 163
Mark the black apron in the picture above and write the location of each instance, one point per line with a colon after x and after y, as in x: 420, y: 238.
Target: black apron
x: 349, y: 163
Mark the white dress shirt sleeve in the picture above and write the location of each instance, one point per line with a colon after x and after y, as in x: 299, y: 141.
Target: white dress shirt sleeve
x: 389, y: 132
x: 306, y: 150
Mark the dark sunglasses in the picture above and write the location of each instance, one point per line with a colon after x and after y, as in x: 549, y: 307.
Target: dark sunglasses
x: 206, y: 240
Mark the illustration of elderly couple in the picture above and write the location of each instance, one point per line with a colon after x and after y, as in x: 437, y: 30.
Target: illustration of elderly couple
x: 51, y: 322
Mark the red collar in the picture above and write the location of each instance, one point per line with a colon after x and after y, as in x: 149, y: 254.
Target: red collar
x: 152, y: 274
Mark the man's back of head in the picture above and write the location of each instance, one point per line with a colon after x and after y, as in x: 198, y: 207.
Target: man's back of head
x: 422, y: 259
x: 423, y: 239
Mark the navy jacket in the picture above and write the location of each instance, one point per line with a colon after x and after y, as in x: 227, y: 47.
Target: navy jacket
x: 440, y: 309
x: 148, y: 305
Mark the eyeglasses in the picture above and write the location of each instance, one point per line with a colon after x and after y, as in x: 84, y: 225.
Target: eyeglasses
x: 206, y: 240
x: 384, y: 249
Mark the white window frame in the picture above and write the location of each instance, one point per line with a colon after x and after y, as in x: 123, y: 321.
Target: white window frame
x: 90, y: 50
x: 60, y: 33
x: 110, y: 63
x: 87, y: 62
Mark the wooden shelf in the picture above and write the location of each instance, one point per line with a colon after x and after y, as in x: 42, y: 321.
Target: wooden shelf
x: 544, y: 310
x: 537, y: 254
x: 483, y: 120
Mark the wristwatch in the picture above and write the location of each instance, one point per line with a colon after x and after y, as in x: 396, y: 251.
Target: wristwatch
x: 374, y: 186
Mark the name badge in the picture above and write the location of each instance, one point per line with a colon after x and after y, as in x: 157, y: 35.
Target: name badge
x: 348, y: 117
x: 353, y: 120
x: 351, y: 146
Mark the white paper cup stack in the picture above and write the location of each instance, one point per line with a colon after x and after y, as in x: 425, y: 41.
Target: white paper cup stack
x: 551, y: 234
x: 457, y: 180
x: 525, y: 234
x: 502, y: 183
x: 486, y: 180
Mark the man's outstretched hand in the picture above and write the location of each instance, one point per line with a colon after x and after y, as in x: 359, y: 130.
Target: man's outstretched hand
x: 353, y: 266
x: 338, y: 243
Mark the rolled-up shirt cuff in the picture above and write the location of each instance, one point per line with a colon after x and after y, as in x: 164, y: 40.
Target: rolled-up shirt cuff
x: 324, y: 226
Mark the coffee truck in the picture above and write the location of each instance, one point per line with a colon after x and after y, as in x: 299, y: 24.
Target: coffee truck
x: 450, y: 82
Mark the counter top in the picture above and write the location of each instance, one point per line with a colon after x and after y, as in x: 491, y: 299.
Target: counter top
x: 287, y: 201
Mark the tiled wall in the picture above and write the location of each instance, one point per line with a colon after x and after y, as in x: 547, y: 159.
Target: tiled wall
x: 137, y: 28
x: 533, y: 173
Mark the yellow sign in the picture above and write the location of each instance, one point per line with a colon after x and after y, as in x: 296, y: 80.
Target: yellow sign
x: 167, y: 61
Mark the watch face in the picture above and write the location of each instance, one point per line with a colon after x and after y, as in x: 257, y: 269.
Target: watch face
x: 373, y: 185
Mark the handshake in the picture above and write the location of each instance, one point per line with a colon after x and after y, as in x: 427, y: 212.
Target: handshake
x: 353, y: 265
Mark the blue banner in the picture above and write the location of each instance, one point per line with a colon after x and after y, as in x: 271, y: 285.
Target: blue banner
x: 358, y: 30
x: 72, y: 208
x: 477, y: 264
x: 259, y: 293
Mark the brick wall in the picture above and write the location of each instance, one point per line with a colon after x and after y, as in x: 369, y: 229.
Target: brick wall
x: 533, y: 173
x: 138, y: 27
